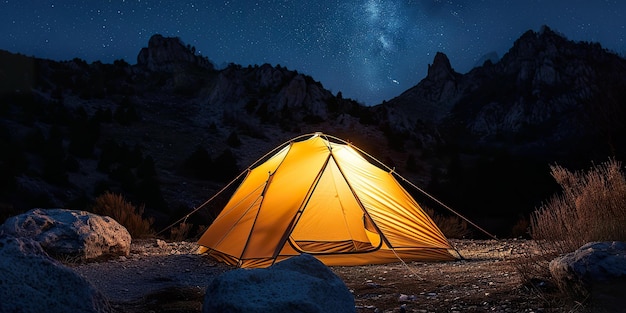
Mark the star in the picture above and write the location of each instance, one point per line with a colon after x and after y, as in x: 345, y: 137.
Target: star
x: 352, y: 46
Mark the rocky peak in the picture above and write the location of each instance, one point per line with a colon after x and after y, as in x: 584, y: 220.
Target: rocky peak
x: 488, y: 58
x: 169, y: 53
x: 440, y: 69
x: 271, y: 92
x: 535, y: 44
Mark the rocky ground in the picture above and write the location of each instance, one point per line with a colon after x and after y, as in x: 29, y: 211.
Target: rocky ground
x: 170, y: 277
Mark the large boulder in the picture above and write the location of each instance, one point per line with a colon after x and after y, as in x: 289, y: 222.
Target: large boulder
x: 597, y: 270
x: 31, y: 281
x: 63, y: 233
x: 300, y: 284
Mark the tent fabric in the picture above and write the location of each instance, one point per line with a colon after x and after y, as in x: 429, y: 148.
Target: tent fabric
x: 324, y: 198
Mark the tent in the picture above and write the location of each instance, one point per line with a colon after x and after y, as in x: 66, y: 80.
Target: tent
x: 321, y: 196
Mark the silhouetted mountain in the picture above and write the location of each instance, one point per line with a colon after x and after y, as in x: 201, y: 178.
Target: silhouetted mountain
x: 170, y: 130
x: 166, y: 132
x: 491, y: 57
x: 547, y: 100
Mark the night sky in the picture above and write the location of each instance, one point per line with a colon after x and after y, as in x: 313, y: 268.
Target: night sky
x: 370, y: 50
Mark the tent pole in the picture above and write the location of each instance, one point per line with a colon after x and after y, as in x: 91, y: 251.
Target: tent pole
x: 296, y: 217
x: 383, y: 238
x: 262, y: 197
x: 418, y: 188
x: 281, y: 146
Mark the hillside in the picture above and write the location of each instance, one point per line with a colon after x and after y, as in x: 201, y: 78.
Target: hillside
x: 547, y: 100
x: 171, y: 130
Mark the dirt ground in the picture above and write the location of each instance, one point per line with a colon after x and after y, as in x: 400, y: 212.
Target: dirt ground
x: 171, y: 277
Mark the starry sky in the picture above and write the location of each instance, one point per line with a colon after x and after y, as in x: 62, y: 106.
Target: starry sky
x: 370, y: 50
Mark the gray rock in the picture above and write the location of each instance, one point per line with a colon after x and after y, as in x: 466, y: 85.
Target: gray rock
x: 72, y: 233
x: 31, y: 281
x: 596, y: 270
x: 299, y: 284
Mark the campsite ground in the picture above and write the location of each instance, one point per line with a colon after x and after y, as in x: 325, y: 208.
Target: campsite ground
x: 170, y: 277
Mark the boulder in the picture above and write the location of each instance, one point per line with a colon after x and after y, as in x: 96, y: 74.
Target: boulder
x: 596, y: 270
x: 31, y: 281
x: 63, y: 233
x: 299, y: 284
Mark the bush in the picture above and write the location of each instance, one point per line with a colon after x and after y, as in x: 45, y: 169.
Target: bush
x: 181, y: 232
x: 114, y: 206
x: 450, y: 226
x: 591, y: 207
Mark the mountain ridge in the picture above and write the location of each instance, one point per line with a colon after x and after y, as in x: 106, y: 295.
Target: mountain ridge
x: 75, y: 129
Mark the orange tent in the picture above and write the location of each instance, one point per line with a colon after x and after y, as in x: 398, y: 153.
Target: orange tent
x: 322, y: 197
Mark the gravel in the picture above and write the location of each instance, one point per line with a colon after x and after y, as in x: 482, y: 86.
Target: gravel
x: 161, y: 276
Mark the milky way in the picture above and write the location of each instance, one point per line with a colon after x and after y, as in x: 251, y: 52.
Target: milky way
x: 370, y: 50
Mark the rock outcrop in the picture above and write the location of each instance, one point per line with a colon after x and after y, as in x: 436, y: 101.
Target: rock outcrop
x: 429, y: 101
x: 299, y: 284
x: 598, y: 270
x: 545, y: 93
x: 63, y: 233
x: 168, y: 54
x: 30, y: 281
x: 271, y: 93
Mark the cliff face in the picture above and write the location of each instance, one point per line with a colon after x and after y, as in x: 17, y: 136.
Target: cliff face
x: 266, y: 90
x: 430, y: 100
x: 168, y: 54
x: 546, y: 91
x: 553, y: 92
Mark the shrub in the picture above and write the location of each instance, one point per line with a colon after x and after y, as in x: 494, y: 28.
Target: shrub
x: 591, y: 207
x: 181, y: 232
x: 450, y: 226
x: 116, y: 207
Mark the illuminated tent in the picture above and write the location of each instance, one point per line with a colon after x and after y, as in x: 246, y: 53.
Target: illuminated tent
x: 322, y: 197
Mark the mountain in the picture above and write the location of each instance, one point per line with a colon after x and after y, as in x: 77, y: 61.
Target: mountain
x: 547, y: 96
x: 547, y: 100
x: 172, y: 129
x: 491, y: 57
x: 546, y: 90
x: 166, y: 132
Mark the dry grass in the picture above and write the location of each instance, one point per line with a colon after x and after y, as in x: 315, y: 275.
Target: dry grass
x: 450, y: 226
x: 591, y: 207
x: 181, y: 232
x: 116, y: 207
